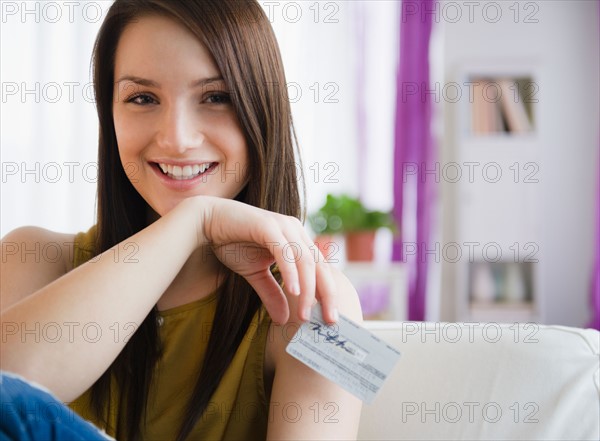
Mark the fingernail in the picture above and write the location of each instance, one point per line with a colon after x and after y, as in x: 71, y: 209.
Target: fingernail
x: 295, y: 288
x: 336, y: 314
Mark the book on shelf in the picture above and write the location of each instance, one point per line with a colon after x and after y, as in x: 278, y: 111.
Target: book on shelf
x: 513, y: 107
x: 503, y: 110
x: 500, y: 283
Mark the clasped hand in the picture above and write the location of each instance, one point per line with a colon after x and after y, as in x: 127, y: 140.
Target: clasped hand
x: 248, y: 240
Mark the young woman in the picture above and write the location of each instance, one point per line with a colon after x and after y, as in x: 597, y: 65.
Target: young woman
x: 198, y: 246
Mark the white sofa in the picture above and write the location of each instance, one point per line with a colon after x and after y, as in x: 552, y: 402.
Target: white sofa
x: 466, y: 381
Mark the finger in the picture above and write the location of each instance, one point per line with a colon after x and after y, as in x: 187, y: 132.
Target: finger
x: 325, y: 288
x: 271, y: 295
x: 297, y: 251
x: 245, y: 222
x: 273, y: 240
x: 327, y: 292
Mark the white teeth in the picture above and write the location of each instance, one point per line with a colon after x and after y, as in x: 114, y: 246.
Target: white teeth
x: 185, y: 172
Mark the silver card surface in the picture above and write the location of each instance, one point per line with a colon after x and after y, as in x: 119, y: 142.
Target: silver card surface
x: 344, y: 353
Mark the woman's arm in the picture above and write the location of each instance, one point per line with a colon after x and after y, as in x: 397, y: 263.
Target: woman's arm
x: 32, y: 257
x: 304, y: 404
x: 66, y: 331
x: 66, y: 334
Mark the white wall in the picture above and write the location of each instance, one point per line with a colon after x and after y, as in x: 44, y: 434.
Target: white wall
x: 564, y: 45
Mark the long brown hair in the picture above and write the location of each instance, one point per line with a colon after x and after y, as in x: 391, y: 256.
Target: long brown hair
x: 243, y: 45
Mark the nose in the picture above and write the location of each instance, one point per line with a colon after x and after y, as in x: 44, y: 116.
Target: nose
x: 180, y: 129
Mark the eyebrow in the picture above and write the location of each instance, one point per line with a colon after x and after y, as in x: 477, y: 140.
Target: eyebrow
x: 149, y: 83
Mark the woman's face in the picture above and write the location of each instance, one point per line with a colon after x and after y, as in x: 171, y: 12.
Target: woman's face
x: 177, y: 132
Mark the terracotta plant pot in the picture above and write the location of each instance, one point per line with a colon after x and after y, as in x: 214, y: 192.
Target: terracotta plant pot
x: 327, y: 245
x: 360, y: 246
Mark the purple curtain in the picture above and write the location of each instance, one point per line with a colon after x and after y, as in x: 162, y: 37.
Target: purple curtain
x: 413, y: 152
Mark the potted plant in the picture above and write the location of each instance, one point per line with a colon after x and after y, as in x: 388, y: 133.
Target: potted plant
x: 348, y: 216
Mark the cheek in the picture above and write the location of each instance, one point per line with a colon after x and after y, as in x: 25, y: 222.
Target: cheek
x: 120, y: 132
x: 234, y: 141
x: 129, y: 142
x: 130, y: 136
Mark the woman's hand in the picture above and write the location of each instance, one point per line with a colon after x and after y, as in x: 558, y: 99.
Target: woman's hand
x: 248, y: 240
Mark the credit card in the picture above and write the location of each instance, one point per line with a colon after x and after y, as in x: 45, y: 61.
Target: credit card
x: 345, y: 353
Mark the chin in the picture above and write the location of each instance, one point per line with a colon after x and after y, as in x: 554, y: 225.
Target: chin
x: 158, y: 209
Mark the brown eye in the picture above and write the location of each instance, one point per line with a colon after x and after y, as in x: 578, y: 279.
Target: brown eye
x: 141, y: 99
x: 219, y: 98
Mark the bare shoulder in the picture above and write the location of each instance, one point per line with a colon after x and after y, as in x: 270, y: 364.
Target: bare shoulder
x: 32, y: 257
x: 314, y: 388
x: 348, y: 302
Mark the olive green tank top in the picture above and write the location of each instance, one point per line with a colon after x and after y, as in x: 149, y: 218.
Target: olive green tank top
x: 239, y: 407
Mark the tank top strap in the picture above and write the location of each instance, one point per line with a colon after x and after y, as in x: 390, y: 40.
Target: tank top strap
x: 83, y: 246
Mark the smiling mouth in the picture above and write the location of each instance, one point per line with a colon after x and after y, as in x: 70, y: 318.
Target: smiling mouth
x: 187, y: 172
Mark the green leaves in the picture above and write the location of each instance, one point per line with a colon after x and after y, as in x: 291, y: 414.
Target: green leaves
x: 342, y: 214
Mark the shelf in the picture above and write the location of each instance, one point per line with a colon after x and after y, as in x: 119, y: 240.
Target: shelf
x: 508, y: 312
x: 500, y: 283
x: 502, y: 104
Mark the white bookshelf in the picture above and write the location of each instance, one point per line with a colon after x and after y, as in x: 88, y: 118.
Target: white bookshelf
x: 495, y: 210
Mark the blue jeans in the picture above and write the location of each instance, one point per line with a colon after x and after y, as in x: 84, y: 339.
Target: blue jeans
x: 31, y: 414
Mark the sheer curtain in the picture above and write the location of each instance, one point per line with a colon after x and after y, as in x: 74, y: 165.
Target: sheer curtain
x: 48, y: 121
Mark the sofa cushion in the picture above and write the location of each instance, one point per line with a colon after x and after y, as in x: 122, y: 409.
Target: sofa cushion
x: 487, y: 381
